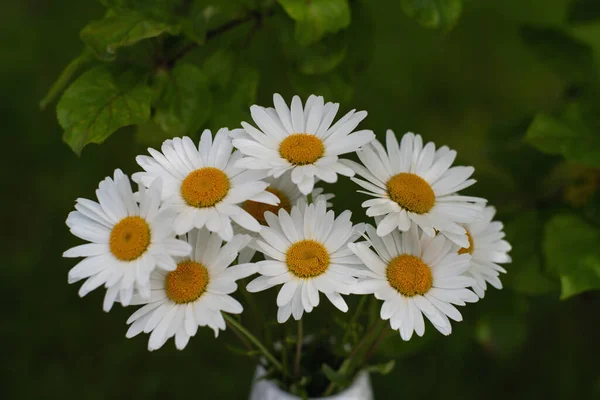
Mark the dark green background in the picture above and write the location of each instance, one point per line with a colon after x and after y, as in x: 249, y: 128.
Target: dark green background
x: 474, y: 89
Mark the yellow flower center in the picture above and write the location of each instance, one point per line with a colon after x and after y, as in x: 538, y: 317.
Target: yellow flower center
x: 409, y: 275
x: 129, y: 238
x: 411, y: 192
x: 205, y: 187
x: 187, y: 283
x: 258, y: 210
x: 307, y: 259
x: 469, y: 249
x: 301, y: 148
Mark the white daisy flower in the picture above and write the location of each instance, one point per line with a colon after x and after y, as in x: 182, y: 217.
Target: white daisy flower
x: 203, y: 185
x: 414, y: 276
x: 487, y: 249
x: 288, y: 194
x: 127, y: 240
x: 194, y: 294
x: 301, y: 140
x: 415, y: 183
x: 307, y: 253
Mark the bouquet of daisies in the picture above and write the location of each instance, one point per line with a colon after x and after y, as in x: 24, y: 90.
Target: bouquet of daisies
x: 243, y: 203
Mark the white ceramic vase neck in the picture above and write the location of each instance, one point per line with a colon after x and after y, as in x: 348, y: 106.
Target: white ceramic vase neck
x: 262, y: 389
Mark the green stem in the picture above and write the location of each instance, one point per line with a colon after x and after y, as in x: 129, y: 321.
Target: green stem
x: 298, y: 348
x: 254, y: 341
x: 237, y: 333
x: 380, y: 336
x: 361, y: 305
x: 347, y: 363
x: 65, y: 77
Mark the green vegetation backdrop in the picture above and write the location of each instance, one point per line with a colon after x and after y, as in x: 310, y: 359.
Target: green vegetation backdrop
x: 512, y: 85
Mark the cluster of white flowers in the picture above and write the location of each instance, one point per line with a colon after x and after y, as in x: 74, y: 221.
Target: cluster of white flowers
x: 171, y: 245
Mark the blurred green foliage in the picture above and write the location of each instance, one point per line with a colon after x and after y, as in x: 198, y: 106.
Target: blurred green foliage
x: 512, y: 85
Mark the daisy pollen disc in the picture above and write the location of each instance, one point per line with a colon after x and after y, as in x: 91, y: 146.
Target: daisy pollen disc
x: 205, y: 187
x: 301, y: 148
x: 129, y: 238
x: 411, y: 192
x: 187, y: 283
x: 258, y: 210
x: 467, y: 250
x: 307, y: 259
x: 409, y: 275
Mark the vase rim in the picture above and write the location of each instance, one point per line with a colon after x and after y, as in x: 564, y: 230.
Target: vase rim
x: 359, y: 389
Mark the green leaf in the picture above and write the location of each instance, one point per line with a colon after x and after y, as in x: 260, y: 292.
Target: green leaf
x: 65, y: 77
x: 234, y: 85
x: 106, y: 36
x: 151, y: 134
x: 571, y: 247
x: 333, y: 375
x: 316, y: 18
x: 211, y: 14
x: 434, y: 14
x: 194, y: 25
x: 158, y: 10
x: 383, y: 369
x: 218, y: 68
x: 583, y: 11
x: 97, y: 104
x: 525, y: 273
x: 186, y: 102
x: 570, y: 58
x: 567, y: 135
x: 319, y: 58
x: 332, y: 86
x: 235, y: 99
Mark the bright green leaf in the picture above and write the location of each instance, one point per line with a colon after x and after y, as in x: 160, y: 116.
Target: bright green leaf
x: 97, y: 104
x: 571, y: 247
x: 583, y: 11
x: 568, y: 136
x: 186, y: 102
x: 525, y: 273
x: 435, y: 14
x: 568, y: 57
x: 383, y: 369
x: 107, y: 35
x: 316, y: 18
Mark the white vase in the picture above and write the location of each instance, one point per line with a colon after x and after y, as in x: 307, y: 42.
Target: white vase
x: 263, y: 389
